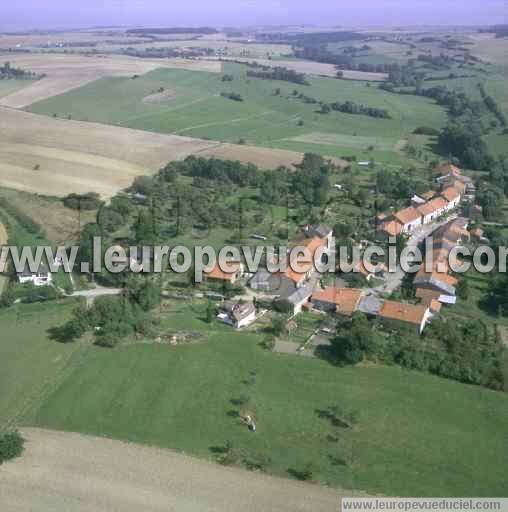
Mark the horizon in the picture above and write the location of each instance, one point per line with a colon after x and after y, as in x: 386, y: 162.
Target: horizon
x: 57, y: 15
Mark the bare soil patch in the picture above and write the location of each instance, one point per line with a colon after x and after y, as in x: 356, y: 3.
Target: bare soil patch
x: 73, y: 472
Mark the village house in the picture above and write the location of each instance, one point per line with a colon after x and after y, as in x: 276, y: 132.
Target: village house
x: 390, y: 228
x: 343, y: 301
x: 41, y: 277
x: 444, y: 171
x: 433, y: 209
x: 453, y: 196
x: 431, y: 194
x: 416, y: 316
x: 298, y: 299
x: 409, y: 218
x: 417, y: 201
x: 237, y: 314
x: 234, y: 270
x: 320, y: 231
x: 438, y: 279
x: 305, y: 268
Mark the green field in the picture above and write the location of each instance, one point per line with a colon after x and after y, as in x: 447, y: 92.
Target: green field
x: 196, y: 109
x: 417, y: 434
x: 30, y: 364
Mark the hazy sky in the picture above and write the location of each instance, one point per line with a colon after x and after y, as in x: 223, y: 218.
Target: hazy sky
x: 15, y: 15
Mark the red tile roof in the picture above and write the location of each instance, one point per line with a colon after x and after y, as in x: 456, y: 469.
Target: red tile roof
x: 432, y: 206
x: 407, y: 215
x: 219, y: 274
x: 346, y: 299
x: 392, y: 228
x: 401, y: 312
x: 451, y: 193
x: 297, y: 275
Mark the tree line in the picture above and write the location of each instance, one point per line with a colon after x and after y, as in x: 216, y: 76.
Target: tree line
x: 466, y: 352
x: 280, y: 73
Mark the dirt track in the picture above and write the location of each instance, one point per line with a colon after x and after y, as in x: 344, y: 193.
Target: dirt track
x: 76, y: 473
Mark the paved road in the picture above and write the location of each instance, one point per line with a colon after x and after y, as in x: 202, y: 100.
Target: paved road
x: 394, y: 280
x: 76, y: 473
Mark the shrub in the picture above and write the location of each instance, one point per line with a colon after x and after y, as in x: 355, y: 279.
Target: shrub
x: 231, y: 96
x: 426, y: 130
x: 11, y: 446
x: 90, y: 201
x: 34, y: 293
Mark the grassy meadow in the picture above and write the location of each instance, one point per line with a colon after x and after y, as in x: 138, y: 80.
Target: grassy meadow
x: 417, y: 434
x: 193, y: 107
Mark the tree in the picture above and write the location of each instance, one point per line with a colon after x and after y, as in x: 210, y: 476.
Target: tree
x: 210, y: 312
x: 11, y: 445
x: 355, y: 340
x: 144, y: 291
x: 325, y: 109
x: 343, y: 230
x: 279, y: 325
x: 145, y: 229
x: 7, y: 298
x: 463, y: 289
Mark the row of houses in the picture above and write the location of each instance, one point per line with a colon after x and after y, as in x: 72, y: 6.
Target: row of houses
x: 437, y: 284
x: 347, y: 301
x: 431, y: 205
x: 292, y: 287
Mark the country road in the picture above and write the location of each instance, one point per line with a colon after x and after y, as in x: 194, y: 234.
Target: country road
x: 76, y: 473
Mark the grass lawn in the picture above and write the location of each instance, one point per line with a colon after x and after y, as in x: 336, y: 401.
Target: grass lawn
x: 417, y: 434
x: 196, y: 109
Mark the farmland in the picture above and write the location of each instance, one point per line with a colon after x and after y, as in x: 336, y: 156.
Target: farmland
x: 97, y: 391
x: 68, y: 156
x: 98, y: 121
x: 8, y: 87
x: 196, y: 109
x: 113, y: 474
x: 67, y: 72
